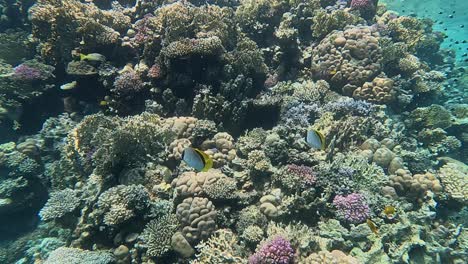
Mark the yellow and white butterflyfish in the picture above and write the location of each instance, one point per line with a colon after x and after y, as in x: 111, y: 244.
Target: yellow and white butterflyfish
x: 197, y: 159
x: 315, y: 139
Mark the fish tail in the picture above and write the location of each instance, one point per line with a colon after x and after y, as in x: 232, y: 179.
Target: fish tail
x: 82, y: 56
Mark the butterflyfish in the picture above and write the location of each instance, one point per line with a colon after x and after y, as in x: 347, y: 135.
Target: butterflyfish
x: 197, y: 159
x: 315, y: 139
x: 390, y: 212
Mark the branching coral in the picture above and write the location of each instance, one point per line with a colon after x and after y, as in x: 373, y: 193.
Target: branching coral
x: 59, y: 204
x: 221, y: 247
x: 157, y: 235
x: 121, y: 203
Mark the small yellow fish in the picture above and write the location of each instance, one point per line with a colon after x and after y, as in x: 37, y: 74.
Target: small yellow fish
x: 333, y: 72
x: 92, y: 57
x: 389, y: 210
x: 164, y: 186
x: 103, y: 103
x: 372, y: 226
x: 68, y: 86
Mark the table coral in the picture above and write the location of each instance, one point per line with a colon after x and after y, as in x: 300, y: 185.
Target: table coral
x: 59, y: 204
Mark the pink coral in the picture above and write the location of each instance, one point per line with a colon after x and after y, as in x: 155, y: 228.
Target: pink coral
x: 352, y: 208
x: 26, y: 73
x: 306, y: 173
x: 275, y: 251
x: 366, y: 7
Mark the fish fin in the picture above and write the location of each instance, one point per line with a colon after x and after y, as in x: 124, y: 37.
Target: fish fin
x: 322, y: 139
x: 207, y: 160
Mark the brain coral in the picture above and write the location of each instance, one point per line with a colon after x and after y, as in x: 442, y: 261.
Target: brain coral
x: 349, y: 57
x: 212, y: 183
x: 197, y: 216
x: 380, y: 91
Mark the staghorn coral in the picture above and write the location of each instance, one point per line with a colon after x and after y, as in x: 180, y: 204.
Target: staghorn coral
x: 295, y: 177
x: 157, y: 235
x: 197, y: 218
x: 59, y: 204
x: 119, y: 204
x: 367, y: 8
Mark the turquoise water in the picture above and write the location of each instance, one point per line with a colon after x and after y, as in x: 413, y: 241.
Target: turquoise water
x: 449, y: 17
x: 233, y: 131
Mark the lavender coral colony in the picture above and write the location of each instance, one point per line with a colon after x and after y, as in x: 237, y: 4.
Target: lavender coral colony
x: 211, y: 132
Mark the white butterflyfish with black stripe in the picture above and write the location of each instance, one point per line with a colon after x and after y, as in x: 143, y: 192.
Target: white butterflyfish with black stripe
x: 315, y: 139
x: 197, y: 159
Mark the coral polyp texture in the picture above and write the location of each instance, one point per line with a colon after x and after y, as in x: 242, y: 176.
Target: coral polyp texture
x: 187, y: 132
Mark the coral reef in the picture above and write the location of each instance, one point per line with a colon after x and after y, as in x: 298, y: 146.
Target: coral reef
x: 100, y: 99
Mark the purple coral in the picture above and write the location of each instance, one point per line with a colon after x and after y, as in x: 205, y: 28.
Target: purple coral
x: 366, y: 7
x: 350, y: 106
x: 300, y: 114
x: 304, y: 172
x: 128, y: 83
x: 352, y: 208
x: 275, y: 251
x: 26, y: 73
